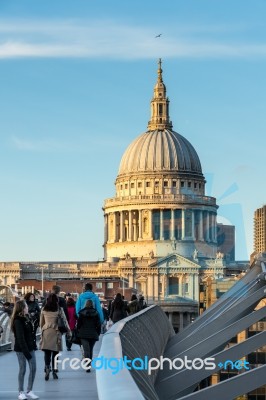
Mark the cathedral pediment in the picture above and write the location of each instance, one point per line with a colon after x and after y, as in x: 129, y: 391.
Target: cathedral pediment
x: 174, y: 261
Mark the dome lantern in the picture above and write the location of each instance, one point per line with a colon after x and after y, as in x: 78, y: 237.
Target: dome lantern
x: 159, y: 104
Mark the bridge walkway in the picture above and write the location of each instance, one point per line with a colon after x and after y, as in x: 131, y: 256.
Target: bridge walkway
x: 72, y: 384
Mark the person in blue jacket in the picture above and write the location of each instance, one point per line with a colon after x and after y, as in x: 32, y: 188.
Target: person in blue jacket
x: 89, y: 295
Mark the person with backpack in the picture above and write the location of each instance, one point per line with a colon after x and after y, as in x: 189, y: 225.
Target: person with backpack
x: 89, y: 329
x: 88, y: 294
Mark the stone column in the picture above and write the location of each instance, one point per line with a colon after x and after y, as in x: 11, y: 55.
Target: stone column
x: 161, y: 225
x: 118, y: 226
x: 201, y: 226
x: 150, y: 292
x: 156, y: 286
x: 215, y: 228
x: 145, y: 288
x: 207, y: 227
x: 131, y: 281
x: 140, y: 224
x: 172, y: 236
x: 183, y: 224
x: 150, y: 227
x: 181, y: 321
x: 130, y: 225
x: 114, y: 228
x: 191, y: 287
x: 180, y: 285
x: 170, y: 318
x: 105, y: 228
x: 166, y: 293
x: 134, y: 228
x: 196, y: 286
x: 193, y: 224
x: 210, y: 227
x: 121, y: 227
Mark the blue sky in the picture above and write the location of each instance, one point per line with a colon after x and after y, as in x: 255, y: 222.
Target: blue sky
x: 76, y: 80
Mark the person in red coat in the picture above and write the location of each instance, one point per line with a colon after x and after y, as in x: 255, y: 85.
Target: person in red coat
x: 72, y: 318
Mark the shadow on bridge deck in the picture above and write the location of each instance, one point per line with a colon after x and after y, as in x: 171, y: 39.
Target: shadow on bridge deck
x: 70, y: 385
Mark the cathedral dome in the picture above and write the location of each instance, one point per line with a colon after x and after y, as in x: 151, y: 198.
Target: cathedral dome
x: 160, y: 206
x: 160, y: 150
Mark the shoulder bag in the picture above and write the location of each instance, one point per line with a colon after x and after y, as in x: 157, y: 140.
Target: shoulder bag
x: 62, y: 327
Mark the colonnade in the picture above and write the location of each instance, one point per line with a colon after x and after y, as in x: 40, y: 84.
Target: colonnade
x: 161, y: 224
x: 159, y: 286
x: 184, y: 319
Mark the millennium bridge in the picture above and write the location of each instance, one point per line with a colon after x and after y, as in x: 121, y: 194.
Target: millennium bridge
x: 141, y: 357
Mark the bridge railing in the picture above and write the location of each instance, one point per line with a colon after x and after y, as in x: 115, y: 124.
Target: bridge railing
x: 7, y: 336
x: 133, y: 337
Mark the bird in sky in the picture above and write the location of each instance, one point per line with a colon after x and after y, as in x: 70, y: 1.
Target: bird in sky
x: 160, y: 34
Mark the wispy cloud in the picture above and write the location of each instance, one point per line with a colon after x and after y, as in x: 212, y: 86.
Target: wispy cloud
x: 49, y: 145
x: 42, y: 145
x: 107, y: 39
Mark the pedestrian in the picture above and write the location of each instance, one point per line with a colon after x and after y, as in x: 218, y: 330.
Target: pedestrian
x: 25, y: 346
x: 51, y: 338
x: 142, y: 302
x: 118, y: 309
x: 105, y: 318
x: 133, y: 306
x: 8, y: 308
x: 61, y: 301
x: 89, y: 329
x: 72, y: 319
x: 33, y: 309
x: 67, y: 295
x: 89, y: 295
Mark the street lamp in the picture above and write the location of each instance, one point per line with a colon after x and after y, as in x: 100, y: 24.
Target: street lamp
x: 42, y: 280
x: 42, y: 276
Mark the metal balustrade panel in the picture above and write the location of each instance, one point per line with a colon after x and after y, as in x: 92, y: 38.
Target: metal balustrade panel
x: 233, y: 313
x: 231, y: 388
x: 188, y: 382
x: 246, y: 285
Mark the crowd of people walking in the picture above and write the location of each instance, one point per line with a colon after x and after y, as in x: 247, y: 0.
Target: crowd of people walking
x: 83, y: 320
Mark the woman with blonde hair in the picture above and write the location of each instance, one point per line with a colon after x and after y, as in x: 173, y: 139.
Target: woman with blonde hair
x: 51, y: 338
x: 25, y: 346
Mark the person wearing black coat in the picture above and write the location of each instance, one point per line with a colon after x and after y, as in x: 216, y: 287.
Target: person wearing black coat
x: 89, y: 329
x: 25, y: 346
x: 133, y: 306
x: 33, y: 310
x: 118, y: 309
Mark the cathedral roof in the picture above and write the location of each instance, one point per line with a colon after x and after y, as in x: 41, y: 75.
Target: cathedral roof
x: 160, y: 149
